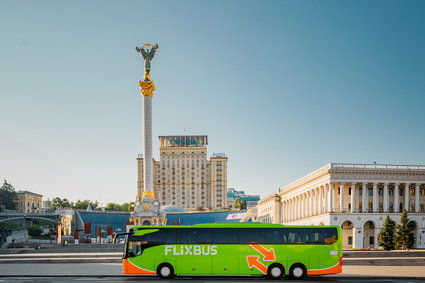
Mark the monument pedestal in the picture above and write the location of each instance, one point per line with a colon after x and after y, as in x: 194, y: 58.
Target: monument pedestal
x: 146, y: 212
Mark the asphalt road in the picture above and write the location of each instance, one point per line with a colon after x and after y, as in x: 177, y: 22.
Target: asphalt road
x: 194, y: 280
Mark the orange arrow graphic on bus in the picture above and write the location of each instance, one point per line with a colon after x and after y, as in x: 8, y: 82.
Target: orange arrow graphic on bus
x: 253, y: 261
x: 268, y: 254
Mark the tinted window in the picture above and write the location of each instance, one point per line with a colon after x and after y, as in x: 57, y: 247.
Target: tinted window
x: 276, y: 236
x: 193, y: 236
x: 310, y: 236
x: 160, y: 237
x: 225, y: 236
x: 252, y: 236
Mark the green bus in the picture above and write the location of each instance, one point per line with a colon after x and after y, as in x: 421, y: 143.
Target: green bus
x: 238, y: 249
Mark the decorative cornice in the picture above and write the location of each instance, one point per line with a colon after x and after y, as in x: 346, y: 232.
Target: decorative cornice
x: 267, y: 199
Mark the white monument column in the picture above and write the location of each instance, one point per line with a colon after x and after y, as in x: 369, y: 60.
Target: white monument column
x: 341, y: 197
x: 353, y: 198
x: 417, y: 198
x: 386, y: 197
x: 148, y: 160
x: 396, y: 198
x: 406, y: 197
x: 375, y: 197
x: 365, y: 193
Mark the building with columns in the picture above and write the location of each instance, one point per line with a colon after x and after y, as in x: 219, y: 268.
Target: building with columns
x: 357, y: 197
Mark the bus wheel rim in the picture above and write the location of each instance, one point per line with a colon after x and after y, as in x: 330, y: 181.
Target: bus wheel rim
x: 165, y: 271
x: 298, y: 272
x: 275, y: 272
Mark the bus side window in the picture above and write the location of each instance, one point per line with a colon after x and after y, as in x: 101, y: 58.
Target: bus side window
x: 330, y: 235
x: 273, y: 236
x: 226, y: 235
x: 252, y: 236
x: 201, y: 236
x: 184, y: 236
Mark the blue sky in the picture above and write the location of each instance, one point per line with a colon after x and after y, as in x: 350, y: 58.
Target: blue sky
x: 281, y: 87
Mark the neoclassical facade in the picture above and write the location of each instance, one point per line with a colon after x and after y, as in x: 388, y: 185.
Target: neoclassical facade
x: 357, y: 197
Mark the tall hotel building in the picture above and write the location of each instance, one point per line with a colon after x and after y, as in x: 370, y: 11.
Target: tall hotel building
x: 185, y: 177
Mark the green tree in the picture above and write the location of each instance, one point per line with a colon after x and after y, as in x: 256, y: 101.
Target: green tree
x: 237, y: 203
x: 127, y: 206
x: 405, y: 236
x: 58, y: 203
x: 243, y: 204
x: 7, y: 195
x: 113, y: 206
x: 85, y: 203
x: 34, y: 230
x: 387, y: 234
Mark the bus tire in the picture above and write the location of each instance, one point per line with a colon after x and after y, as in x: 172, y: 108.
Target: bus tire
x: 297, y: 271
x: 165, y: 271
x: 275, y: 271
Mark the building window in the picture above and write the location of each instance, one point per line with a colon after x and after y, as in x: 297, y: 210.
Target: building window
x: 380, y: 192
x: 400, y: 193
x: 390, y: 192
x: 350, y: 240
x: 370, y: 191
x: 360, y: 191
x: 372, y: 240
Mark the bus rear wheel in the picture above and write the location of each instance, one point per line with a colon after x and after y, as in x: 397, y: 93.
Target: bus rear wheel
x: 275, y: 271
x: 297, y: 271
x: 165, y: 271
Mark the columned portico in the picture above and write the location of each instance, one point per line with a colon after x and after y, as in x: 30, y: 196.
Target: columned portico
x: 386, y: 197
x: 341, y: 197
x: 330, y: 197
x: 406, y: 197
x: 364, y: 198
x: 375, y: 197
x: 417, y: 198
x: 358, y: 194
x: 396, y: 198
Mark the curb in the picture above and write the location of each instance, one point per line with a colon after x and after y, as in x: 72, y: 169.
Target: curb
x: 333, y: 277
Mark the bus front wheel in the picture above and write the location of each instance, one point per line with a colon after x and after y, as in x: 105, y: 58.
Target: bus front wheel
x: 165, y: 271
x: 275, y: 271
x: 297, y: 271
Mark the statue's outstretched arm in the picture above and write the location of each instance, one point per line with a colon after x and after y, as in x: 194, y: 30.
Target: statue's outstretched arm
x: 137, y: 49
x: 143, y: 52
x: 152, y: 53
